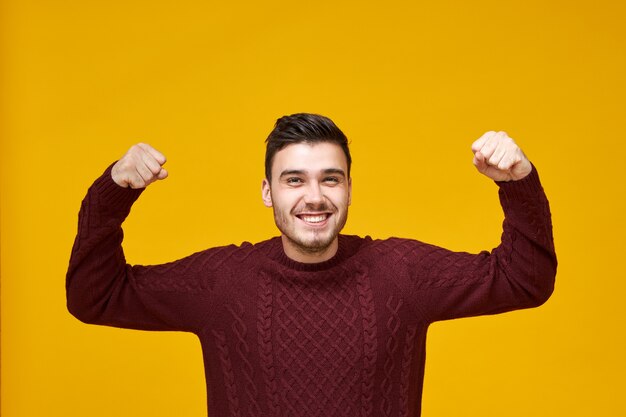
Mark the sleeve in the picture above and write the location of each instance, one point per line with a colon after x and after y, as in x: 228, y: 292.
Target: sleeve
x: 103, y: 289
x: 519, y: 273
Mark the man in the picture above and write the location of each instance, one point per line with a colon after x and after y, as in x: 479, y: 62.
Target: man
x: 311, y: 323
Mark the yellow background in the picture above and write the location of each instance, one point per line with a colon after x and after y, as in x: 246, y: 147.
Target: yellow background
x: 412, y: 83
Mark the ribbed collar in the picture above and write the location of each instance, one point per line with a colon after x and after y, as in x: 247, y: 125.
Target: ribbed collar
x: 348, y: 245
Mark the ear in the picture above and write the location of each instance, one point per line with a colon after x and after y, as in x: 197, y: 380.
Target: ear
x: 349, y: 190
x: 266, y: 193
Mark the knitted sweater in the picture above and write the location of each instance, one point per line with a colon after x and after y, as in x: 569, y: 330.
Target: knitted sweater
x: 344, y: 337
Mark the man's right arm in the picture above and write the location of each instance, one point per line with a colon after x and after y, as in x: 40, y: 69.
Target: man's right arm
x: 101, y: 287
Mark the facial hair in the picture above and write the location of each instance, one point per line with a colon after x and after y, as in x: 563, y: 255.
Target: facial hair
x: 318, y: 244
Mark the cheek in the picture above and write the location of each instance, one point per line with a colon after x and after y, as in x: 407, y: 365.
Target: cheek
x: 285, y: 201
x: 340, y: 198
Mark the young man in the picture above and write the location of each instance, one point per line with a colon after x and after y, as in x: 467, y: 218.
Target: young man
x: 311, y: 323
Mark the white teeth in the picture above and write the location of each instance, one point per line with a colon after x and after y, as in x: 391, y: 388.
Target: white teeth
x: 314, y: 219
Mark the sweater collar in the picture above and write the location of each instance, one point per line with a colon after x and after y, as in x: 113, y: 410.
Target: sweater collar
x: 347, y: 246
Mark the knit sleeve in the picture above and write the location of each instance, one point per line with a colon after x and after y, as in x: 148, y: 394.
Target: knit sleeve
x: 103, y: 289
x: 517, y: 274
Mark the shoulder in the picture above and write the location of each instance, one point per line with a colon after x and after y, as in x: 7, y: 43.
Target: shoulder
x: 388, y: 249
x: 220, y: 256
x: 396, y: 245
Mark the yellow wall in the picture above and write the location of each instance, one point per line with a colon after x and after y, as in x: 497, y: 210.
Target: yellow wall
x: 412, y: 83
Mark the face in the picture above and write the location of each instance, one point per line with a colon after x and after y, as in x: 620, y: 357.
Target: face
x: 310, y: 194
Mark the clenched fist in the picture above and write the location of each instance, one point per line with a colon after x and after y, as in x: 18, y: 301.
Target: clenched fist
x: 139, y: 167
x: 498, y: 157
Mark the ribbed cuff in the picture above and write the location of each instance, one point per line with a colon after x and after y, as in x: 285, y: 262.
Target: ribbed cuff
x: 115, y: 198
x: 526, y: 187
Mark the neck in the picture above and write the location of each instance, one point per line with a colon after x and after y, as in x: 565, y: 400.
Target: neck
x: 309, y: 255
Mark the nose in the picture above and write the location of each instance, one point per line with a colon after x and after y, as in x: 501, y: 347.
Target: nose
x: 314, y: 193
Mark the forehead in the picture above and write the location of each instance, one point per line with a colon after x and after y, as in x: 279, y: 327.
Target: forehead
x: 310, y: 158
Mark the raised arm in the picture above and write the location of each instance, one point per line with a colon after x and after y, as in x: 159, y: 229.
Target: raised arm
x: 101, y: 287
x: 520, y: 272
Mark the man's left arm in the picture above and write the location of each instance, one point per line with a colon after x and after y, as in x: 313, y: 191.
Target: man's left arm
x: 520, y: 272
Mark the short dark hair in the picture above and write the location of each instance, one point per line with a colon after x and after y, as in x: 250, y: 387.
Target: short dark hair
x: 303, y: 128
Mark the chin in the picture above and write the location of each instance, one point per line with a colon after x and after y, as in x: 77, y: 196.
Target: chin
x: 318, y: 244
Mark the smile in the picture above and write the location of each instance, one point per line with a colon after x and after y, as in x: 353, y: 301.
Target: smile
x: 313, y: 219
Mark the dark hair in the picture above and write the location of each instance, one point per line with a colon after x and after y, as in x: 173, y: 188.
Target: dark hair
x: 303, y: 128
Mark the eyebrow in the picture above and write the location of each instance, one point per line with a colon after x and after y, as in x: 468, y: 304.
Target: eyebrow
x: 326, y: 171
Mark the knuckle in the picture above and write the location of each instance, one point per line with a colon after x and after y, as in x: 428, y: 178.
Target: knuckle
x: 126, y: 164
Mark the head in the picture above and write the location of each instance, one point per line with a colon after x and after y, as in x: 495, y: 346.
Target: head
x: 308, y: 184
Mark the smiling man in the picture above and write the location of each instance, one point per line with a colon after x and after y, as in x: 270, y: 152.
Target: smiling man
x: 311, y: 323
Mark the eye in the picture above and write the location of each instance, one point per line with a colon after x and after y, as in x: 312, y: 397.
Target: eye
x: 331, y: 180
x: 293, y: 180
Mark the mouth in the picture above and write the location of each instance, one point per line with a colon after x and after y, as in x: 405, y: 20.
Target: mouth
x: 318, y: 219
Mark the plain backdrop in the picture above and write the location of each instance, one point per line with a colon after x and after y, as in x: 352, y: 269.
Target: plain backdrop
x: 412, y: 83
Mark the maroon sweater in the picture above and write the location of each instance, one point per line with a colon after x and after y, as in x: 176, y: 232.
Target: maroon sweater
x: 345, y: 337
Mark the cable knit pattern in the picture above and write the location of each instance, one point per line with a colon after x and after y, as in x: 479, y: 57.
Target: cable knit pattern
x: 393, y: 324
x: 407, y: 356
x: 341, y: 338
x: 240, y: 330
x: 370, y: 343
x: 318, y: 345
x: 264, y: 330
x: 228, y: 372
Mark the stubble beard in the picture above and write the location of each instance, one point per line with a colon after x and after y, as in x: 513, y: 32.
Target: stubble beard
x: 319, y: 243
